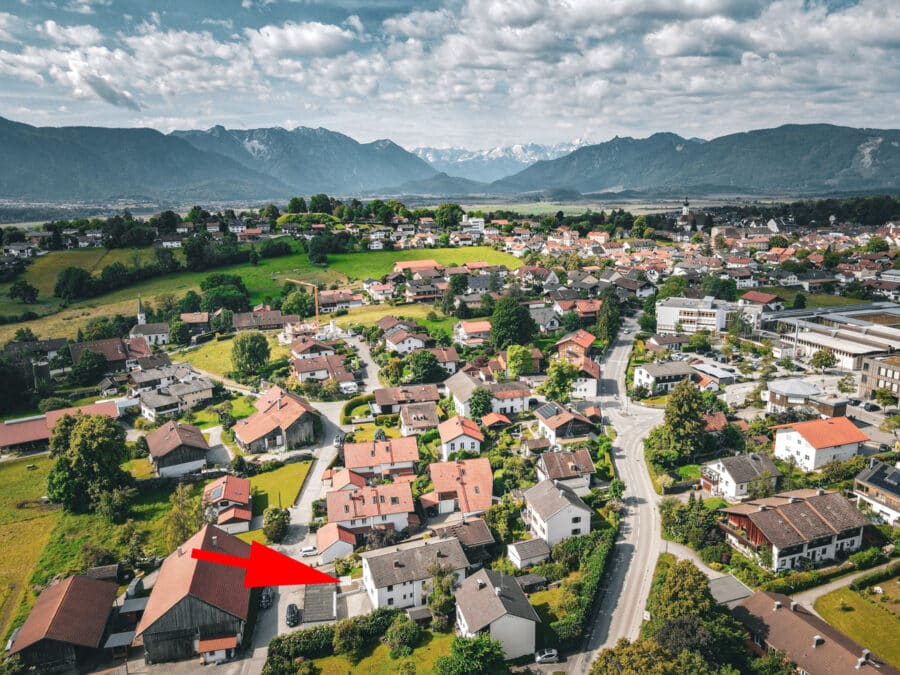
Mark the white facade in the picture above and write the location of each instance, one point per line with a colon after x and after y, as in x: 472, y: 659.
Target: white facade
x: 789, y: 443
x: 181, y: 469
x: 514, y: 555
x: 726, y: 486
x: 687, y: 315
x: 406, y: 594
x: 515, y: 634
x: 570, y: 521
x: 460, y: 443
x: 585, y: 387
x: 409, y: 344
x: 400, y: 521
x: 825, y: 550
x: 339, y: 549
x: 509, y: 406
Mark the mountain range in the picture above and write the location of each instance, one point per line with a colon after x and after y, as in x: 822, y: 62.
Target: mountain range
x: 53, y: 164
x: 492, y: 164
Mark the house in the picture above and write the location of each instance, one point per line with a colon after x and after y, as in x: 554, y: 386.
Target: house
x: 662, y: 376
x: 330, y: 301
x: 494, y: 604
x: 473, y: 533
x: 120, y: 354
x: 153, y: 333
x: 197, y: 322
x: 403, y: 342
x: 459, y: 433
x: 197, y: 607
x: 282, y: 421
x: 417, y: 418
x: 775, y: 622
x: 554, y: 512
x: 661, y: 343
x: 175, y: 398
x: 690, y: 315
x: 574, y: 347
x: 32, y: 434
x: 382, y: 458
x: 763, y: 302
x: 388, y: 401
x: 388, y: 505
x: 783, y: 395
x: 572, y: 469
x: 398, y: 576
x: 810, y: 525
x: 546, y: 318
x: 309, y: 348
x: 334, y: 541
x: 263, y: 319
x: 815, y: 443
x: 526, y: 553
x: 562, y: 426
x: 465, y: 486
x: 324, y: 368
x: 495, y: 421
x: 177, y: 449
x: 229, y: 501
x: 587, y: 380
x: 506, y: 397
x: 472, y: 333
x: 447, y: 358
x: 66, y: 626
x: 878, y: 486
x: 735, y: 477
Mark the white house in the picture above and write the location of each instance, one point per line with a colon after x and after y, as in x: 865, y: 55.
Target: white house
x: 661, y: 377
x: 587, y: 381
x: 815, y: 443
x: 459, y: 433
x: 334, y: 541
x: 689, y: 315
x: 734, y: 477
x: 387, y: 505
x: 526, y: 553
x: 153, y: 333
x: 554, y: 512
x: 572, y: 469
x: 878, y: 486
x: 506, y: 397
x: 398, y: 576
x: 494, y: 604
x: 404, y: 342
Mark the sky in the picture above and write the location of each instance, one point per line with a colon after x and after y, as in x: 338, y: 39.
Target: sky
x: 466, y: 73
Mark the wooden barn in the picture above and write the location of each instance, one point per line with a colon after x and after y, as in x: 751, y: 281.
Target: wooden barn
x: 66, y: 625
x: 177, y: 449
x: 197, y: 607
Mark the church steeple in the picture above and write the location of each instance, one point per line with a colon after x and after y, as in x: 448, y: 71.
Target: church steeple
x: 141, y: 316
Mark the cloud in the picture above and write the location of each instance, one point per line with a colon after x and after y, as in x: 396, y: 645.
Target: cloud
x: 9, y: 26
x: 228, y: 24
x: 75, y: 35
x: 83, y: 79
x: 309, y: 38
x: 85, y: 6
x: 420, y: 25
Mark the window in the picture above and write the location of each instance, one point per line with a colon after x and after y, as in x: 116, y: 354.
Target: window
x: 383, y: 518
x: 395, y: 500
x: 390, y: 601
x: 390, y: 588
x: 477, y: 490
x: 576, y: 519
x: 576, y: 530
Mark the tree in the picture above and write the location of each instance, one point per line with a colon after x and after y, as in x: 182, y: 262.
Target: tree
x: 448, y: 215
x: 609, y: 318
x: 472, y: 656
x: 772, y: 663
x: 401, y: 636
x: 184, y: 517
x: 877, y: 245
x: 275, y: 524
x: 885, y: 397
x: 684, y: 418
x: 249, y: 353
x: 88, y: 451
x: 480, y: 403
x: 558, y: 385
x: 25, y: 335
x: 799, y: 301
x: 179, y: 333
x: 299, y: 302
x: 223, y: 322
x: 847, y: 384
x: 297, y: 205
x: 115, y: 506
x: 423, y: 366
x: 823, y: 360
x: 89, y: 368
x: 22, y: 290
x: 441, y: 600
x: 778, y: 241
x: 511, y: 323
x: 73, y: 283
x: 640, y: 657
x: 699, y: 342
x: 320, y: 203
x: 616, y: 488
x: 647, y: 322
x: 518, y: 360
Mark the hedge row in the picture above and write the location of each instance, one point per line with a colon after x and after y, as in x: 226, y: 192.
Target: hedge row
x: 873, y: 578
x: 800, y: 581
x: 353, y: 403
x: 572, y: 626
x: 319, y: 641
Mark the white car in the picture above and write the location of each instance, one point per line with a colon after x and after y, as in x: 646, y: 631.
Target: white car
x: 307, y: 551
x: 546, y: 656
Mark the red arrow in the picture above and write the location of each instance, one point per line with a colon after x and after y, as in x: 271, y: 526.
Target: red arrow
x: 267, y: 567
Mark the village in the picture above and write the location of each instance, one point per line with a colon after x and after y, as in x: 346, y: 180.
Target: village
x: 473, y: 457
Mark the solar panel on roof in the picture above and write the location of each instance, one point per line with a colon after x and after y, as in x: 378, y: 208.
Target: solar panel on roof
x: 217, y: 492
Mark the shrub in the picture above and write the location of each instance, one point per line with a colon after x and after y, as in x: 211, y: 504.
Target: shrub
x: 878, y: 576
x: 352, y: 403
x: 53, y: 403
x: 309, y: 644
x: 551, y: 571
x: 401, y: 636
x: 870, y: 557
x: 275, y: 524
x: 794, y: 583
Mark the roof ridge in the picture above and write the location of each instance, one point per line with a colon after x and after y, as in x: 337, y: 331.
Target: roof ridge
x: 820, y: 516
x: 59, y: 605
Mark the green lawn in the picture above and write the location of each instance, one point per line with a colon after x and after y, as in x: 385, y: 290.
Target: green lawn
x: 369, y: 314
x: 812, y: 299
x: 714, y: 503
x: 366, y: 432
x: 215, y: 356
x: 378, y: 661
x: 689, y: 472
x: 378, y: 263
x: 253, y: 535
x: 139, y: 468
x: 25, y: 526
x: 868, y: 623
x: 280, y: 485
x: 544, y: 602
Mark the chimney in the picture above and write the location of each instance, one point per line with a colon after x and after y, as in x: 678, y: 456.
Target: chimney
x: 794, y: 605
x: 215, y: 541
x: 498, y: 590
x: 777, y: 606
x: 480, y: 583
x: 763, y: 507
x: 792, y: 500
x: 180, y: 551
x: 817, y: 640
x: 820, y: 491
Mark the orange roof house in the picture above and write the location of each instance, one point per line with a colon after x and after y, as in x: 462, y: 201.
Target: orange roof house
x: 463, y: 485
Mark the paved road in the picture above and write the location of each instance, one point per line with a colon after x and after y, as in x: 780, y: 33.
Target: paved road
x: 628, y: 583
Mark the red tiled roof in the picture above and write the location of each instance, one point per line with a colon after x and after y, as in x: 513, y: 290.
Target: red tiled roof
x: 331, y: 533
x: 580, y: 337
x: 73, y: 611
x: 759, y: 296
x: 458, y: 426
x: 715, y: 422
x: 277, y: 408
x: 370, y: 453
x: 181, y: 575
x: 493, y: 418
x: 365, y: 502
x: 827, y: 433
x: 215, y: 644
x: 471, y: 479
x: 238, y: 514
x: 234, y: 489
x: 15, y: 432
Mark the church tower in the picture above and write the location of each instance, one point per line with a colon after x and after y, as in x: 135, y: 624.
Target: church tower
x: 141, y: 316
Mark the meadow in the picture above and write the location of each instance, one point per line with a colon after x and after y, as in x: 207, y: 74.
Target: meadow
x: 869, y: 619
x: 215, y: 356
x: 280, y: 486
x: 376, y: 264
x: 378, y: 661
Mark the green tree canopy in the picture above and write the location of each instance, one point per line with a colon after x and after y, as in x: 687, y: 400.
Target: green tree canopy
x: 275, y: 524
x: 823, y: 360
x: 89, y: 368
x: 249, y: 352
x: 22, y: 290
x: 558, y: 385
x: 448, y: 215
x: 518, y: 360
x: 511, y: 324
x: 480, y: 402
x: 184, y: 517
x: 472, y: 656
x: 423, y: 366
x: 684, y: 418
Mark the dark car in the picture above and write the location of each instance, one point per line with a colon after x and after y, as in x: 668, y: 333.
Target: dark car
x: 266, y: 598
x: 853, y: 401
x: 293, y: 615
x: 870, y: 407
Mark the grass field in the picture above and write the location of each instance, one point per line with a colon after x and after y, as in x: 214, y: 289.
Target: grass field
x: 376, y: 264
x: 241, y: 407
x: 25, y: 527
x: 689, y: 472
x: 366, y: 432
x: 280, y: 485
x: 869, y: 623
x: 140, y: 468
x: 252, y: 535
x: 812, y: 299
x: 215, y: 356
x: 378, y: 661
x: 369, y: 314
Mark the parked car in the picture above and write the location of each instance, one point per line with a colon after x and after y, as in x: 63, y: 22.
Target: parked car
x: 307, y: 551
x: 293, y: 615
x: 338, y: 441
x: 870, y: 407
x: 854, y: 401
x: 266, y: 598
x: 546, y: 656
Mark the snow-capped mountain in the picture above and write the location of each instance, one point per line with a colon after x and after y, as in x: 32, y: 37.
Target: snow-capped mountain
x: 491, y: 164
